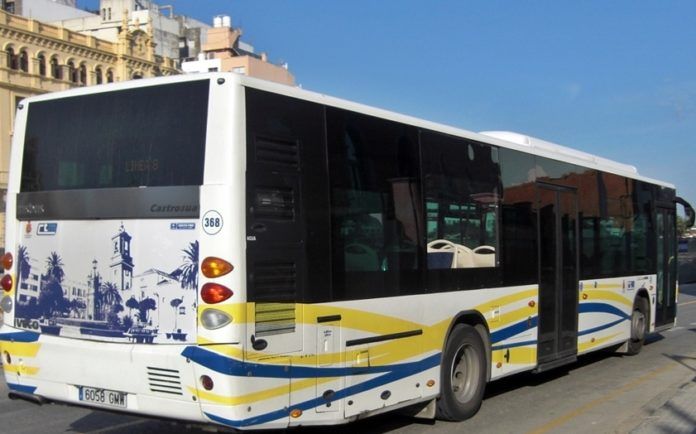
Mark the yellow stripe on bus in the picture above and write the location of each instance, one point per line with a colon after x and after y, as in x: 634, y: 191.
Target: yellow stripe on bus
x: 20, y: 349
x: 599, y: 295
x: 21, y: 370
x: 260, y: 395
x: 584, y: 346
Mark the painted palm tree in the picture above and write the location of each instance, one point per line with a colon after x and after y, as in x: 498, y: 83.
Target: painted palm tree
x: 109, y: 296
x: 175, y: 303
x: 54, y: 267
x: 24, y: 268
x: 189, y: 269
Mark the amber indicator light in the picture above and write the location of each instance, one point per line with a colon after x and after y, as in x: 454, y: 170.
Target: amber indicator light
x: 215, y: 267
x: 7, y: 261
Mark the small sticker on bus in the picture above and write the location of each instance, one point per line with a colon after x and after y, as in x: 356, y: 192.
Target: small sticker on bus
x: 46, y: 228
x: 182, y: 226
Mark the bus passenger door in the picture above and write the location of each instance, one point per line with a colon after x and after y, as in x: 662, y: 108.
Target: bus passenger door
x: 558, y: 273
x: 665, y: 304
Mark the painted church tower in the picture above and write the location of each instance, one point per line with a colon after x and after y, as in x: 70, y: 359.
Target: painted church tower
x: 121, y: 260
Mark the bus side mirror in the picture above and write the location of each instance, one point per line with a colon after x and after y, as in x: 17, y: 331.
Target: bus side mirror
x: 688, y: 210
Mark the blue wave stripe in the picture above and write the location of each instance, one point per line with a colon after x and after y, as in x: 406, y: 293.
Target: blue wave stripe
x: 602, y: 327
x: 512, y: 330
x: 413, y: 368
x: 19, y: 337
x: 21, y: 388
x: 602, y: 308
x: 229, y: 366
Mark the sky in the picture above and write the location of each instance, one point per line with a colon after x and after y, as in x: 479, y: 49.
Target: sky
x: 616, y: 79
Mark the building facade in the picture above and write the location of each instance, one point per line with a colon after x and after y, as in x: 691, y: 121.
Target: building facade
x: 224, y: 51
x: 177, y: 37
x: 37, y: 58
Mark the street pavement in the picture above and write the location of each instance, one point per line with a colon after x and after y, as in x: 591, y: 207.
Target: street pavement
x: 653, y: 392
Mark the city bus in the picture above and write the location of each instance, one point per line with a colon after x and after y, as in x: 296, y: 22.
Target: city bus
x: 222, y: 250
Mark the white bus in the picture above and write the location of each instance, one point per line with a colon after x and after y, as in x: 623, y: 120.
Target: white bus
x: 222, y: 250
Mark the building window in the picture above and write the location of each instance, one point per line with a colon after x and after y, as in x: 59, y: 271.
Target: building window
x: 137, y: 75
x: 11, y: 58
x: 83, y: 74
x: 42, y: 64
x: 98, y: 75
x: 24, y: 61
x: 55, y: 68
x: 72, y: 71
x: 109, y: 76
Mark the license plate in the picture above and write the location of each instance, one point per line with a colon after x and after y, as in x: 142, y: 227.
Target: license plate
x: 106, y: 397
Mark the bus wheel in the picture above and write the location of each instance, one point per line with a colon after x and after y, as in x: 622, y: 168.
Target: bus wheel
x: 463, y: 375
x: 639, y: 326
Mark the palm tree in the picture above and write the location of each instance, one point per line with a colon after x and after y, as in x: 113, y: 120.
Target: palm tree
x: 23, y: 263
x: 109, y: 296
x: 54, y: 267
x: 175, y: 304
x: 189, y: 269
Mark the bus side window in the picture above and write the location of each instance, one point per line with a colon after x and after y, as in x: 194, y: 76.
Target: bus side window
x: 462, y: 194
x: 375, y: 206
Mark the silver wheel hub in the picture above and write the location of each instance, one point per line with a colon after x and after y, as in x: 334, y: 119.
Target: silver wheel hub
x: 637, y: 325
x: 465, y: 373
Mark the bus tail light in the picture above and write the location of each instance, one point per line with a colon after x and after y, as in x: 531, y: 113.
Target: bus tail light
x: 7, y: 261
x: 6, y: 282
x: 213, y: 293
x: 6, y: 304
x: 207, y: 382
x: 213, y: 319
x: 215, y: 267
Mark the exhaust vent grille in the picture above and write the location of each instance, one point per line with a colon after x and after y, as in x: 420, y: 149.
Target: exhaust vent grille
x: 164, y: 381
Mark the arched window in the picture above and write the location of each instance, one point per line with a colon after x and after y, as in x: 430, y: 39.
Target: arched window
x: 137, y: 75
x: 42, y: 64
x: 11, y: 58
x: 109, y: 76
x: 98, y: 76
x: 24, y: 61
x: 83, y: 74
x: 72, y: 71
x: 55, y: 68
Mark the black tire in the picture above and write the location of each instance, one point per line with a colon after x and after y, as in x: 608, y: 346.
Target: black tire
x: 640, y: 320
x: 463, y: 375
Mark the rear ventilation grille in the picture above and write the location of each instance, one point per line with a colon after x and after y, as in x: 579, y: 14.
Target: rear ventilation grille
x: 275, y: 281
x: 164, y: 381
x: 277, y: 151
x: 274, y: 318
x: 273, y: 203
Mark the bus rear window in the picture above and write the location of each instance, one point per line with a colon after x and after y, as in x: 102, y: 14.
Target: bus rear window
x: 144, y: 137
